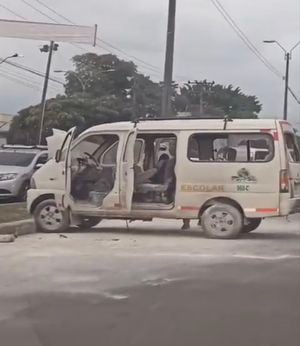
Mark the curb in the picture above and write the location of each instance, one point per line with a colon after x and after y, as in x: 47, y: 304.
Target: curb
x: 17, y: 228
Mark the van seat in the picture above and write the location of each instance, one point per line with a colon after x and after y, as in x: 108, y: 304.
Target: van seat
x: 167, y: 176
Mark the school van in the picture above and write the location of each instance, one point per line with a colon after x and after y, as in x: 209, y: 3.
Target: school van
x: 228, y: 174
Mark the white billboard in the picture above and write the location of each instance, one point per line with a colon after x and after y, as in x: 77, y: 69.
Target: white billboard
x: 48, y: 31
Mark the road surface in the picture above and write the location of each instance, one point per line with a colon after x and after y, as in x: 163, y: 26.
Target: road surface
x: 152, y: 284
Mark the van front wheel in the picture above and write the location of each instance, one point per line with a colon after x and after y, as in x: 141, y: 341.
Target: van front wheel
x: 49, y: 219
x: 222, y: 221
x: 251, y: 225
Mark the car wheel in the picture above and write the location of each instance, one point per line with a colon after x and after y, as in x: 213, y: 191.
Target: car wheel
x: 88, y: 222
x: 49, y: 219
x: 222, y: 221
x: 251, y: 225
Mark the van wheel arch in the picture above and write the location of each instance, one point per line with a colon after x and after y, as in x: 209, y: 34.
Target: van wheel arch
x: 224, y: 200
x: 40, y: 199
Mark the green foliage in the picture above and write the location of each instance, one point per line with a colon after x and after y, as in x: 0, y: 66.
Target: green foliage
x: 217, y: 100
x: 103, y: 88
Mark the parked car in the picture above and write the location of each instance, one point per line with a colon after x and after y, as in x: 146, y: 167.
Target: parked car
x: 228, y: 175
x: 17, y: 165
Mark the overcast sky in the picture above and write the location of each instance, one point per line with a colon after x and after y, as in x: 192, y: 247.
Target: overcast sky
x: 206, y: 46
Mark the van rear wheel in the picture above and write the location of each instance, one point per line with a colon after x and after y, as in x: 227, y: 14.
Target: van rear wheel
x: 251, y: 225
x: 222, y: 221
x: 49, y: 219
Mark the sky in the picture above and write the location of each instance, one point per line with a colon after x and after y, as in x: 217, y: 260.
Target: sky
x: 206, y: 46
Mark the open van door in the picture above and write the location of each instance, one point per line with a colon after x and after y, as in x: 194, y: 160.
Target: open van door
x: 127, y: 172
x: 63, y: 155
x: 293, y: 157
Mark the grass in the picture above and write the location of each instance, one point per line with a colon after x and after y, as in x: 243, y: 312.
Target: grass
x: 13, y: 212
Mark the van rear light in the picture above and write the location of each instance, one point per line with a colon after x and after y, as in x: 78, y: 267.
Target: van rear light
x: 284, y: 181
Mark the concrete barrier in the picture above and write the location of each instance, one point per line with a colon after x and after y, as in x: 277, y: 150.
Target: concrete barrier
x: 17, y: 228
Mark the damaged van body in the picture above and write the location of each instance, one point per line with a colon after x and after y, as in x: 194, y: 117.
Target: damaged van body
x: 228, y: 175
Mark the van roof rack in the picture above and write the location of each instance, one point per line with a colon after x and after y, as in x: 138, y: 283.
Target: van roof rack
x: 180, y: 118
x: 19, y: 146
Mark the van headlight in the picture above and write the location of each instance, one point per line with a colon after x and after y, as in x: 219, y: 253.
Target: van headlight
x: 8, y: 176
x: 32, y: 183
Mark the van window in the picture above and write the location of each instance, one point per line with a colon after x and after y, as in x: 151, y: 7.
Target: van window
x: 292, y: 147
x: 110, y: 156
x: 231, y: 147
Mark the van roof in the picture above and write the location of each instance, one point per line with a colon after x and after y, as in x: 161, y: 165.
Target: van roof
x: 189, y: 124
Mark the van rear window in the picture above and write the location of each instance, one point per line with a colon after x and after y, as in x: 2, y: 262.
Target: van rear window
x: 231, y: 147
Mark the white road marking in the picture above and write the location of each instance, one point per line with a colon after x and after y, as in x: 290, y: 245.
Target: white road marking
x: 114, y: 296
x: 212, y: 256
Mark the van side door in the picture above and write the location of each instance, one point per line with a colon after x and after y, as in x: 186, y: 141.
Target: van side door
x: 293, y: 162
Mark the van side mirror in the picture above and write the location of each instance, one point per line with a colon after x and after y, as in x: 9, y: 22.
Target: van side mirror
x: 58, y: 155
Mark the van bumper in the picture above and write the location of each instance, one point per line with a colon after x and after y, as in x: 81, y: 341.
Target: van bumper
x: 290, y: 206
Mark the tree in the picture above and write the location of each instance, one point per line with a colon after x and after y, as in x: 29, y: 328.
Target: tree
x: 102, y: 88
x: 215, y: 100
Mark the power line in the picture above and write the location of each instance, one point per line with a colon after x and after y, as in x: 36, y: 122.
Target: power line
x: 39, y: 11
x: 12, y: 12
x: 16, y: 80
x: 244, y: 38
x: 294, y: 95
x: 29, y: 79
x: 35, y: 72
x: 145, y: 63
x: 55, y: 12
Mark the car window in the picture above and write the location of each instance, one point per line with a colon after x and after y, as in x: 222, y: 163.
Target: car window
x: 42, y: 159
x: 13, y: 158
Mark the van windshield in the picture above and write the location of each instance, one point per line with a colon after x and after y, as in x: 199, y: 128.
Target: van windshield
x: 16, y: 158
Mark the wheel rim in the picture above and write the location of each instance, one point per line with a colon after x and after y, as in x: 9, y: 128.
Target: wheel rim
x: 51, y: 218
x: 221, y: 222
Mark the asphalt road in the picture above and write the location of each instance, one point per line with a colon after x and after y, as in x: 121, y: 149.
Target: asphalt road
x: 152, y: 285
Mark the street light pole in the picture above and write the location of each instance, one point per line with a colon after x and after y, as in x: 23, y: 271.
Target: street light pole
x: 288, y: 57
x: 286, y: 88
x: 10, y: 57
x: 49, y: 50
x: 168, y: 75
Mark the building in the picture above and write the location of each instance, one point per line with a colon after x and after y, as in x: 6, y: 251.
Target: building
x: 5, y: 121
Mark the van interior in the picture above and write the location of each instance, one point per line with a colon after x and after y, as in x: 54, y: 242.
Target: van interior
x: 154, y: 169
x: 94, y: 168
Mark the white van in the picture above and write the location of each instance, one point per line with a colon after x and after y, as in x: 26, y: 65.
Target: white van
x: 227, y: 174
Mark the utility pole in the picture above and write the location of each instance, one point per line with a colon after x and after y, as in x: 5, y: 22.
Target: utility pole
x: 288, y: 57
x: 286, y: 88
x: 168, y: 75
x: 134, y: 96
x: 49, y: 50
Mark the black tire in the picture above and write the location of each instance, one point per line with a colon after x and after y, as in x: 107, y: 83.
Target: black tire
x: 251, y: 225
x: 222, y: 221
x: 49, y: 219
x: 88, y: 222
